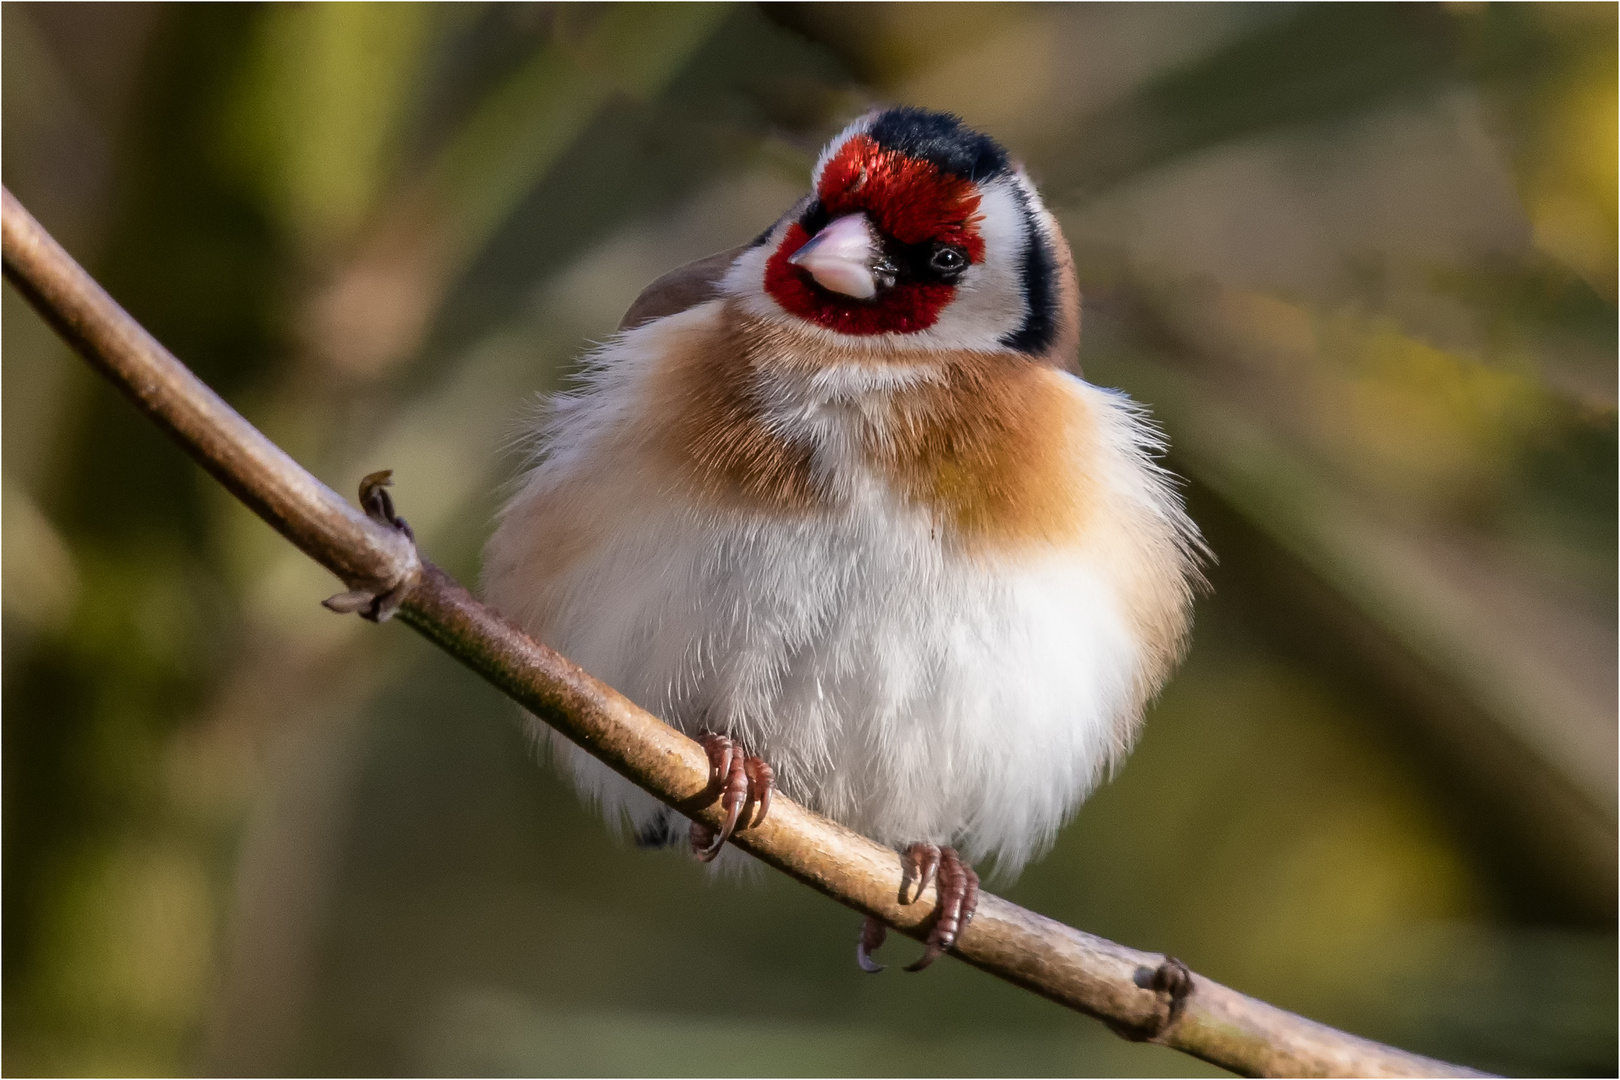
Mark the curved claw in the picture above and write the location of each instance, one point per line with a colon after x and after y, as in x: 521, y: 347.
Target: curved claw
x: 732, y: 817
x: 706, y: 843
x: 735, y: 798
x: 744, y: 781
x: 720, y: 759
x: 970, y: 895
x: 923, y: 861
x: 761, y: 782
x: 930, y: 868
x: 957, y: 897
x: 932, y: 953
x: 872, y: 934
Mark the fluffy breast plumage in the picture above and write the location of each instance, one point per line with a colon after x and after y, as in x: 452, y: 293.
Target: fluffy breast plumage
x: 933, y: 589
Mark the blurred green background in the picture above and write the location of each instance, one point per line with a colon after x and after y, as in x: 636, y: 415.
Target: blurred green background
x: 1359, y: 260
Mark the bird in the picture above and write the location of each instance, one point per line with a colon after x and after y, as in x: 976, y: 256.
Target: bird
x: 839, y: 505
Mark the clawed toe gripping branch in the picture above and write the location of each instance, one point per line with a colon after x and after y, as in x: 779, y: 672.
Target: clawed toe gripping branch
x: 744, y: 784
x: 1141, y: 995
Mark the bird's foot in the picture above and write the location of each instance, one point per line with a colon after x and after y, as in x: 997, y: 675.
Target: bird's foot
x: 744, y: 780
x: 958, y: 899
x: 378, y: 601
x: 958, y: 895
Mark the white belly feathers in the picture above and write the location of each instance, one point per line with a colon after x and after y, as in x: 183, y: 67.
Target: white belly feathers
x: 901, y: 685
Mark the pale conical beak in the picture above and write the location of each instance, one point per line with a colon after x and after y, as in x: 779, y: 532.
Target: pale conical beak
x: 839, y: 257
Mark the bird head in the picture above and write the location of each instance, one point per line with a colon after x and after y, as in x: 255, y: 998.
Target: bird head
x: 919, y: 233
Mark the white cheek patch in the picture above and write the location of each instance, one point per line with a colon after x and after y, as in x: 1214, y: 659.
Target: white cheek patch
x: 745, y: 281
x: 990, y: 303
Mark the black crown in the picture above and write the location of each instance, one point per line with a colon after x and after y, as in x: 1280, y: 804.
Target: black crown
x: 939, y: 138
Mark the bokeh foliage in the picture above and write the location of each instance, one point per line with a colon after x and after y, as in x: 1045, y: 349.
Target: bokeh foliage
x: 1359, y: 260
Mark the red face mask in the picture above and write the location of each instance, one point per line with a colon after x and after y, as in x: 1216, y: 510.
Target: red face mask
x: 911, y: 202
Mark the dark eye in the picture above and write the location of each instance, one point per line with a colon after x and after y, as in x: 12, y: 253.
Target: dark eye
x: 948, y: 259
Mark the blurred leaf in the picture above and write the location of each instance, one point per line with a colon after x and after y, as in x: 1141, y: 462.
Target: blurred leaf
x: 1551, y: 71
x: 376, y: 308
x: 319, y: 109
x: 41, y: 580
x: 1325, y: 64
x: 1449, y: 608
x: 521, y: 129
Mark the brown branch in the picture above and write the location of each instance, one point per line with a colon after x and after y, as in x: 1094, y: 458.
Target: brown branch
x: 1143, y: 996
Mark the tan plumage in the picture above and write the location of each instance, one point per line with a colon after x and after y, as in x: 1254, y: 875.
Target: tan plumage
x: 927, y: 573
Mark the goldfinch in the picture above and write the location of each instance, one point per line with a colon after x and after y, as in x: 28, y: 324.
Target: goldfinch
x: 836, y: 505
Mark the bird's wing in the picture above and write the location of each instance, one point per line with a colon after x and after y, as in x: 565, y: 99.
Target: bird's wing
x: 681, y: 288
